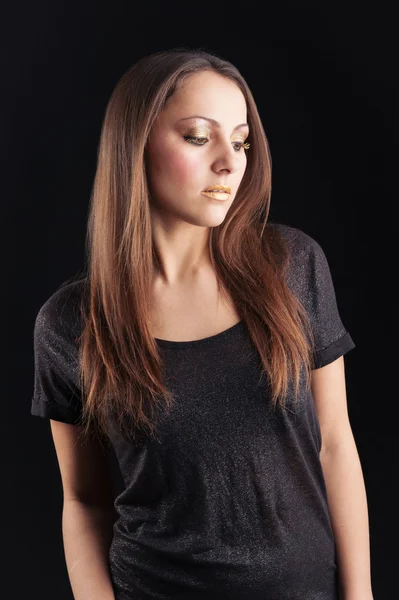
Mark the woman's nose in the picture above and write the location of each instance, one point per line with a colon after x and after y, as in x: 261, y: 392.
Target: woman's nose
x: 227, y: 158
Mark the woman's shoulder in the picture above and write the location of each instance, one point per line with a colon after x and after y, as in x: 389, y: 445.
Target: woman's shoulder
x: 61, y: 311
x: 299, y: 241
x: 307, y: 263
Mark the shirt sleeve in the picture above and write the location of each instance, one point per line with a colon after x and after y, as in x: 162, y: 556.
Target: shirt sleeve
x: 56, y: 394
x: 332, y: 340
x: 311, y: 279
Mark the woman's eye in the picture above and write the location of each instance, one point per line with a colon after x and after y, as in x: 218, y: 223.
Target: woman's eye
x: 240, y: 145
x: 200, y: 141
x: 191, y: 139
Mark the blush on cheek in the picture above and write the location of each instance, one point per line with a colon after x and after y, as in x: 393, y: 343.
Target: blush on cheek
x: 185, y: 168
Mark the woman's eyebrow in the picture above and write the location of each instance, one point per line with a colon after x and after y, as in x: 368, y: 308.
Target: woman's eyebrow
x: 213, y: 121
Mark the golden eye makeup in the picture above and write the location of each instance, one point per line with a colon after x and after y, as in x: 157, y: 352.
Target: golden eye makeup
x: 201, y: 141
x: 200, y: 128
x: 199, y: 134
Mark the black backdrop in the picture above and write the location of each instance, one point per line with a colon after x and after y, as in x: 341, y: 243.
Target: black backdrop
x: 325, y: 82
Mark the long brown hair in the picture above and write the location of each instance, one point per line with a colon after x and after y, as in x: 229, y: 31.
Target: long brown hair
x: 120, y: 367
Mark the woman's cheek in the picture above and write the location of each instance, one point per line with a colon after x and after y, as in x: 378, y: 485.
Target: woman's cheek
x: 186, y: 167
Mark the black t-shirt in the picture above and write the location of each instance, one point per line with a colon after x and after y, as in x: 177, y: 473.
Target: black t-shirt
x: 230, y: 502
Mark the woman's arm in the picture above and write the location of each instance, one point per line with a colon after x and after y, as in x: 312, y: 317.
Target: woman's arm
x: 349, y: 516
x: 88, y: 511
x: 344, y: 482
x: 87, y: 534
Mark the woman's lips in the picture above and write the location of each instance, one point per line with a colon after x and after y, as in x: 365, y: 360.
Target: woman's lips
x: 216, y: 195
x: 218, y: 188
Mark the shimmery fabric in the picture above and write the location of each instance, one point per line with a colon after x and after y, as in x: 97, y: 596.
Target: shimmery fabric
x: 230, y: 503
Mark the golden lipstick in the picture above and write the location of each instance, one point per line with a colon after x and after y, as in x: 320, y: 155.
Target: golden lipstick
x: 218, y: 188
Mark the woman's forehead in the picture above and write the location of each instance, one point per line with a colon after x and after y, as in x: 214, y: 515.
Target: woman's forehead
x: 208, y: 106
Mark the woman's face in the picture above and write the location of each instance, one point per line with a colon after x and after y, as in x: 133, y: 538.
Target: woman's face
x: 179, y: 168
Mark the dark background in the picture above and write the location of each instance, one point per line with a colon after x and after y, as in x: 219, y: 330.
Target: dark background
x: 324, y: 77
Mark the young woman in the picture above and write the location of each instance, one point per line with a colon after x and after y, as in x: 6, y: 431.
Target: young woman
x: 204, y: 345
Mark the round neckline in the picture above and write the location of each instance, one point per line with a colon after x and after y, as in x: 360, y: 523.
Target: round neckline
x: 208, y: 340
